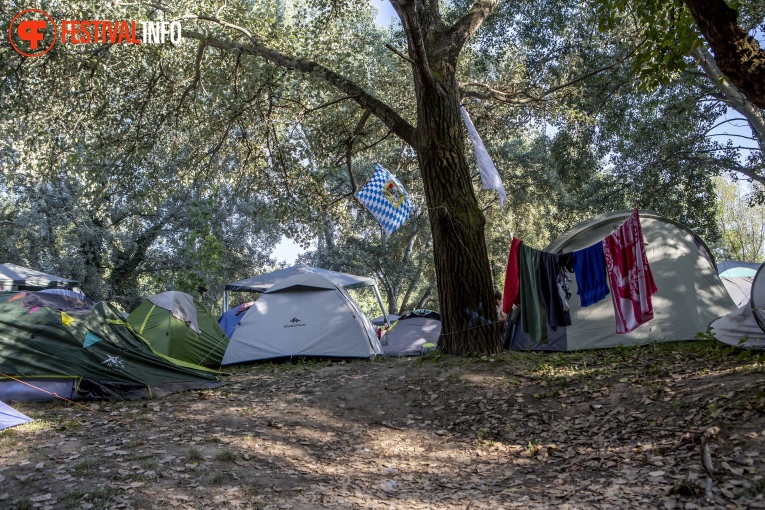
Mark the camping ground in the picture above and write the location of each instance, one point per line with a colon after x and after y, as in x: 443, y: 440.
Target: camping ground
x: 621, y: 428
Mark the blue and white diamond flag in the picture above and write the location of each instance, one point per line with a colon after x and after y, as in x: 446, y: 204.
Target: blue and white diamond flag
x: 386, y: 199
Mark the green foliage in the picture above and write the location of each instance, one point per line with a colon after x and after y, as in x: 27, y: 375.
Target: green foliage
x: 742, y: 222
x: 666, y: 33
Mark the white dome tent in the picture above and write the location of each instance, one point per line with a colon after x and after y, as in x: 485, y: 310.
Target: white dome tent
x: 304, y: 315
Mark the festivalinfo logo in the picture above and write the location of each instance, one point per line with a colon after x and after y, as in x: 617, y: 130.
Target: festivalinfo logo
x: 33, y: 32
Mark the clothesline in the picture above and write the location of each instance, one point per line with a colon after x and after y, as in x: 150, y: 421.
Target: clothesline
x: 535, y: 281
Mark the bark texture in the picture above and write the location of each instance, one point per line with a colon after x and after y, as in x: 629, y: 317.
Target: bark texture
x: 461, y: 259
x: 738, y: 55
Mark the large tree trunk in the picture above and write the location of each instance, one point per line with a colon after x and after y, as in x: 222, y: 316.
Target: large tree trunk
x: 737, y: 54
x: 465, y: 291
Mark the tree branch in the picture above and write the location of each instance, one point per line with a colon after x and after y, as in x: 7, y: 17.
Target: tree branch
x: 737, y: 54
x: 407, y: 12
x: 398, y: 53
x: 513, y: 99
x: 349, y: 155
x: 402, y: 128
x: 733, y: 96
x: 460, y: 32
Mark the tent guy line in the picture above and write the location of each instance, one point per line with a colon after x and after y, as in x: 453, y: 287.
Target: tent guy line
x: 66, y: 399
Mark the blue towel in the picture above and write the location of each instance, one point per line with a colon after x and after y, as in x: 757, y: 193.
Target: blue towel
x: 590, y: 271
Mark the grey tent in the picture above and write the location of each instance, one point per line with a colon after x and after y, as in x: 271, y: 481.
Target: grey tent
x: 9, y: 417
x: 264, y: 282
x: 737, y: 278
x: 690, y: 295
x: 13, y: 277
x: 303, y: 315
x: 410, y: 332
x: 741, y: 327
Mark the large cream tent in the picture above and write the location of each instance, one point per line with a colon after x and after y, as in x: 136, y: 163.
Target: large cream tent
x: 690, y: 294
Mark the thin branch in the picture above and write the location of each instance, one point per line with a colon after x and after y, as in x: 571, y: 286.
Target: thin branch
x: 197, y: 74
x: 407, y: 12
x: 349, y: 146
x: 349, y: 155
x: 394, y: 50
x: 460, y: 32
x: 510, y: 98
x: 401, y: 127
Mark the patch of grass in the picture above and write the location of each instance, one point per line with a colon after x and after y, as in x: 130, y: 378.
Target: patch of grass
x: 226, y: 456
x: 9, y: 438
x: 134, y: 443
x: 151, y: 465
x: 101, y: 496
x: 712, y: 410
x: 681, y: 406
x: 219, y: 479
x: 483, y: 438
x: 658, y: 386
x: 70, y: 425
x: 533, y: 448
x: 39, y: 425
x: 21, y: 503
x: 194, y: 455
x: 85, y: 467
x: 755, y: 488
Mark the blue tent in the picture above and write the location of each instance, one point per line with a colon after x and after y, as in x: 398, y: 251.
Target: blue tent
x: 9, y: 417
x: 229, y: 320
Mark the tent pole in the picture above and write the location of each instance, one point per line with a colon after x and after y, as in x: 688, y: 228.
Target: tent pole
x: 225, y: 301
x: 379, y: 301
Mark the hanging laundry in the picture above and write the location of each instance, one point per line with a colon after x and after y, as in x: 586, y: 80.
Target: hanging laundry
x: 532, y: 316
x: 549, y: 269
x: 386, y: 199
x: 590, y: 271
x: 510, y: 294
x: 566, y: 263
x: 629, y: 274
x: 490, y: 178
x: 565, y: 293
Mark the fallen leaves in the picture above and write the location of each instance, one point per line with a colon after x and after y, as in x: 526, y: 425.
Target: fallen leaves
x: 549, y: 431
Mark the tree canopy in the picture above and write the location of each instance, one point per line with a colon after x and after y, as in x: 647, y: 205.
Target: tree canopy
x: 139, y: 168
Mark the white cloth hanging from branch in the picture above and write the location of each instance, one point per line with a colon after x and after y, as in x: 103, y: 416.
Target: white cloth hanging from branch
x: 490, y: 178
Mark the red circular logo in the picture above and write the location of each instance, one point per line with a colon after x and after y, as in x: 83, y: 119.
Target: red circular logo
x: 32, y: 30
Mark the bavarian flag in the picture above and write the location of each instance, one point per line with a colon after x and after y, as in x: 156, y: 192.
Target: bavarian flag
x: 386, y: 199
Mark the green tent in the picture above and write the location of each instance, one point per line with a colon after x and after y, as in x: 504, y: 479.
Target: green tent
x: 62, y: 345
x: 179, y: 326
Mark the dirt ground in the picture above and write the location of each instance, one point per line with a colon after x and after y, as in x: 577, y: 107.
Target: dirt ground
x: 622, y: 428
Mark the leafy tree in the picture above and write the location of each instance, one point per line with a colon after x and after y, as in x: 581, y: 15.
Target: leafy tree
x: 741, y: 222
x: 671, y: 30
